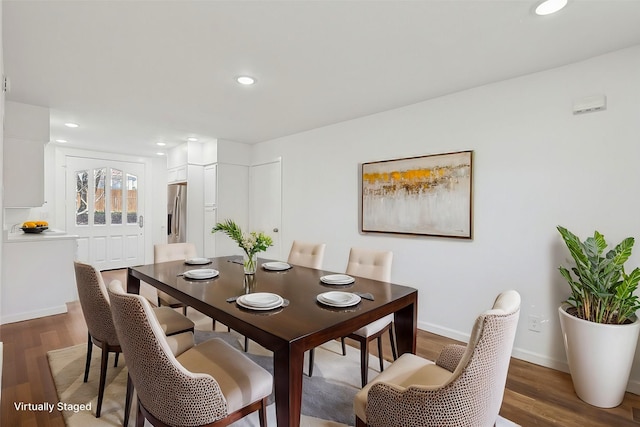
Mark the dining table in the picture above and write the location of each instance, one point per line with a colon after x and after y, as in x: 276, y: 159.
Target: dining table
x: 300, y: 324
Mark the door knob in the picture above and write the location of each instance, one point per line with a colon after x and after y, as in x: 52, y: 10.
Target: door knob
x: 275, y: 230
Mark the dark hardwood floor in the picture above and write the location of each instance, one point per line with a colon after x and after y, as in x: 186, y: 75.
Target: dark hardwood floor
x: 535, y: 396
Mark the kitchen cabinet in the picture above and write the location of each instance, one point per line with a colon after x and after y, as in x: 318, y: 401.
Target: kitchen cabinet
x: 210, y: 185
x: 38, y: 278
x: 26, y: 131
x: 177, y: 174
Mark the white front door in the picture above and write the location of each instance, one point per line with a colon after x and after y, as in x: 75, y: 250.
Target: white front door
x: 105, y: 208
x: 265, y: 204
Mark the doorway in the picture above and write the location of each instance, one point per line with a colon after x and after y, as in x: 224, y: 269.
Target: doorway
x: 105, y: 208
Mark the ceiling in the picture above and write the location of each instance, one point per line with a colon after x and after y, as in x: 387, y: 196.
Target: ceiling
x: 132, y: 73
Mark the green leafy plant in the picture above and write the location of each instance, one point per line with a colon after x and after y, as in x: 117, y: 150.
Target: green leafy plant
x: 251, y: 243
x: 601, y: 292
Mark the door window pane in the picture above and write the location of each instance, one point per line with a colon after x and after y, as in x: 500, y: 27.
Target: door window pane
x: 82, y: 206
x: 99, y: 192
x: 116, y: 196
x: 132, y: 199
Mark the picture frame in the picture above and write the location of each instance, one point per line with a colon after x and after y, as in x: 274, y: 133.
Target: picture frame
x: 429, y: 195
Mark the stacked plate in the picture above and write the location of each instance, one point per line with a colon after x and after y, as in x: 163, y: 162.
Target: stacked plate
x: 201, y: 273
x: 337, y: 279
x: 276, y: 266
x: 338, y: 299
x: 260, y: 301
x: 197, y: 261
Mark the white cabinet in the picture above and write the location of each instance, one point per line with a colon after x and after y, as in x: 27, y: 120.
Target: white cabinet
x: 210, y: 220
x: 23, y: 173
x: 38, y: 278
x: 210, y: 185
x: 177, y: 174
x: 26, y: 130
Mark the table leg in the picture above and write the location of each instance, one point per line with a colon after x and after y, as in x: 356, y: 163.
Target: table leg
x: 288, y: 363
x: 405, y: 321
x: 133, y: 284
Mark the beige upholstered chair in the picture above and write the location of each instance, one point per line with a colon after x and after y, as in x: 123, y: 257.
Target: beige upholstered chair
x: 165, y: 252
x: 306, y: 254
x: 464, y: 388
x: 97, y: 314
x: 374, y: 265
x: 185, y: 384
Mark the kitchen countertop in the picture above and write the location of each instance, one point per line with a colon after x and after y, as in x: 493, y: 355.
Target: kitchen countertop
x: 46, y: 235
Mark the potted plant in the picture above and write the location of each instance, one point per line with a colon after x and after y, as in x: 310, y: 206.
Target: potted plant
x: 598, y: 320
x: 251, y: 243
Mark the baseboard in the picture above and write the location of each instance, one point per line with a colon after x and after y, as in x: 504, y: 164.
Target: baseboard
x: 28, y: 315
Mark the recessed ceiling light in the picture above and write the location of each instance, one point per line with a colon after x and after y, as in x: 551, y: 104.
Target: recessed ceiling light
x: 62, y: 141
x: 548, y: 7
x: 192, y: 139
x: 161, y: 144
x: 245, y: 80
x: 160, y: 154
x: 71, y: 125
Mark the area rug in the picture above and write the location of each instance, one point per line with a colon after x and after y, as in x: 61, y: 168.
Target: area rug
x: 327, y: 396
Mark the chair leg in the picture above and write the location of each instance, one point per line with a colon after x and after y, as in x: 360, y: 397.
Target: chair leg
x: 139, y: 417
x: 344, y: 347
x: 360, y: 423
x: 88, y: 363
x: 103, y: 376
x: 312, y: 355
x: 115, y: 364
x: 380, y: 358
x: 364, y: 361
x: 184, y: 311
x: 246, y: 344
x: 393, y: 342
x: 262, y: 413
x: 127, y: 401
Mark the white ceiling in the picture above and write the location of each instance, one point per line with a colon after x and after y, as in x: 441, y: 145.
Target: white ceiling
x: 132, y: 73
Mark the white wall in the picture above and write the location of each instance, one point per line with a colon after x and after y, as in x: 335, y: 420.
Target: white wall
x: 536, y: 165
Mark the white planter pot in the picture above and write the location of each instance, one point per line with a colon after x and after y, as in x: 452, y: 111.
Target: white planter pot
x: 600, y: 357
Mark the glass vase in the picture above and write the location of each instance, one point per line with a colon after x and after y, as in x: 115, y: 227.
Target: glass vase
x: 250, y: 263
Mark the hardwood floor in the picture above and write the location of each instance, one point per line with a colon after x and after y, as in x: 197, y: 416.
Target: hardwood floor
x: 535, y: 396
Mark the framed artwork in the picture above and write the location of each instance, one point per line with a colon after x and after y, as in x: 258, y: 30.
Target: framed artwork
x: 427, y: 195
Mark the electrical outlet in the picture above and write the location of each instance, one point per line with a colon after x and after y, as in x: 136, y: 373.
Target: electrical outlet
x: 535, y: 323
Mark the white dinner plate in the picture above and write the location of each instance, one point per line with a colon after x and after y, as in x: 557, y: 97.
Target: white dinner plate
x: 197, y: 261
x: 338, y: 299
x: 276, y: 266
x: 337, y: 279
x: 201, y: 273
x: 260, y: 301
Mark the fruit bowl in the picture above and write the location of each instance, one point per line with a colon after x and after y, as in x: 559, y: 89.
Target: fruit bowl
x: 33, y: 230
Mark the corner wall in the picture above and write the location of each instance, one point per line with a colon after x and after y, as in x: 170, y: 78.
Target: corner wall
x: 536, y: 165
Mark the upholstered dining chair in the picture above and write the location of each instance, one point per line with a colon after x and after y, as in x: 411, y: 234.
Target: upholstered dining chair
x: 464, y: 387
x: 184, y: 384
x: 165, y: 252
x: 375, y: 265
x: 306, y: 254
x: 101, y: 330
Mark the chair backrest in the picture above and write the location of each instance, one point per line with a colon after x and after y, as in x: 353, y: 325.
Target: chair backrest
x: 164, y: 252
x: 306, y: 254
x: 473, y: 394
x: 369, y: 263
x: 95, y: 303
x: 165, y: 388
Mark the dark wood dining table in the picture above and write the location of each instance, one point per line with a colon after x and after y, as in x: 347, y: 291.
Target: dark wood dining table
x: 287, y: 331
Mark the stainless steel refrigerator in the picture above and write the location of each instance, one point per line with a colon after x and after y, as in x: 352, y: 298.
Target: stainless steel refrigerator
x: 177, y: 213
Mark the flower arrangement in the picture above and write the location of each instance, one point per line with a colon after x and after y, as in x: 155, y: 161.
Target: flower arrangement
x: 251, y: 243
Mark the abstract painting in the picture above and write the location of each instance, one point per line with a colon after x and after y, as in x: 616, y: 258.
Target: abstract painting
x: 427, y: 195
